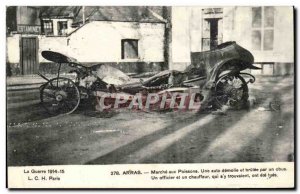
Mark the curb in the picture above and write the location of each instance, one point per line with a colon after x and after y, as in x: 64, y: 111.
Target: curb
x: 23, y: 87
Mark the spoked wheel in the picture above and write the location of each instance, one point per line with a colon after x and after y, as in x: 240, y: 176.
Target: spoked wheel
x: 60, y: 96
x: 231, y: 90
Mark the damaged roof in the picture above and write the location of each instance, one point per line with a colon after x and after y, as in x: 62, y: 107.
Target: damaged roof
x: 59, y: 11
x: 104, y: 13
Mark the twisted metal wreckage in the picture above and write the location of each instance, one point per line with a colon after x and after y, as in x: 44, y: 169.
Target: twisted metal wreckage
x: 214, y: 79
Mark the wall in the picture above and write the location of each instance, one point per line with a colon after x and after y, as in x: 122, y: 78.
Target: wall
x: 100, y: 41
x: 13, y: 55
x: 58, y: 44
x: 237, y: 26
x: 13, y: 49
x: 55, y: 25
x: 282, y: 55
x: 283, y: 34
x: 181, y: 39
x: 53, y: 43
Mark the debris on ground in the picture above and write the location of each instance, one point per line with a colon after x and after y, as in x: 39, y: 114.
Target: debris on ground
x: 275, y: 105
x: 261, y: 109
x: 251, y: 101
x: 222, y: 111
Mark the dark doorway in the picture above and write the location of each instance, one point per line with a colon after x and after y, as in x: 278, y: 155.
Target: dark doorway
x: 29, y: 62
x: 213, y: 33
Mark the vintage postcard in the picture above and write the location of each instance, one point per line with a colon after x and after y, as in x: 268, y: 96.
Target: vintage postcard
x: 150, y: 97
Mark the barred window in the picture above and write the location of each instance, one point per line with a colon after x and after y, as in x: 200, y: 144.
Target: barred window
x: 47, y: 27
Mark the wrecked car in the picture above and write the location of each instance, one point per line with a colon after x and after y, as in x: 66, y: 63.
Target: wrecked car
x: 213, y: 79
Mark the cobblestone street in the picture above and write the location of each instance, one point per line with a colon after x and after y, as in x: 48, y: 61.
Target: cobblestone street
x: 255, y: 135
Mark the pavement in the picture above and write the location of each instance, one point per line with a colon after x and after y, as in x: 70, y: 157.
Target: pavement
x: 27, y: 82
x: 260, y: 134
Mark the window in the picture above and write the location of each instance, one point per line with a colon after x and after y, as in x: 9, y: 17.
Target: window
x: 130, y: 49
x: 256, y: 17
x: 262, y: 28
x: 256, y: 39
x: 47, y: 27
x: 62, y: 27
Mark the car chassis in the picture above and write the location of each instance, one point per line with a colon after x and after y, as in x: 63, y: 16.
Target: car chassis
x: 213, y: 79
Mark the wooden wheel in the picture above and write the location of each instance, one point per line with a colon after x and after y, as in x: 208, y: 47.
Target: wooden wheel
x: 231, y: 90
x: 60, y: 96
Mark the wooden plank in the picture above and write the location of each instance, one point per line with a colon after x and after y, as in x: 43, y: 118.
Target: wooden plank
x: 34, y: 56
x: 24, y: 56
x: 31, y: 56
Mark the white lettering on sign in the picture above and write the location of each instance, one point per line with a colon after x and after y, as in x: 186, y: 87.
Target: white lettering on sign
x: 29, y: 29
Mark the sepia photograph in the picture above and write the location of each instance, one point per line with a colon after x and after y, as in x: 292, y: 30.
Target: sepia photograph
x: 98, y: 86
